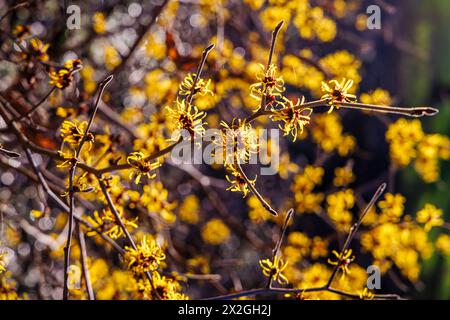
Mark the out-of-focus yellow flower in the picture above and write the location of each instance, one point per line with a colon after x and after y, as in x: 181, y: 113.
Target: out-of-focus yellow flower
x: 111, y: 56
x: 215, y: 232
x: 319, y: 248
x: 199, y: 264
x: 21, y: 31
x: 339, y: 205
x: 189, y: 209
x: 327, y: 131
x: 303, y: 186
x: 37, y: 214
x: 430, y: 216
x: 3, y: 256
x: 392, y: 207
x: 443, y: 244
x: 271, y: 16
x: 99, y: 22
x: 254, y: 4
x: 312, y: 23
x: 155, y: 198
x: 377, y: 96
x: 343, y: 176
x: 37, y: 49
x: 274, y: 269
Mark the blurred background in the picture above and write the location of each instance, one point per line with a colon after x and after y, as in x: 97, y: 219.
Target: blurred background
x: 408, y: 57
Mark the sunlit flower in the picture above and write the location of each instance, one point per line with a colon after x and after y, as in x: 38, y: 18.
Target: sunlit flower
x: 337, y: 92
x: 63, y: 77
x: 145, y: 258
x: 269, y: 85
x: 343, y: 261
x: 293, y: 117
x: 237, y: 142
x: 73, y: 132
x: 366, y: 294
x: 185, y: 116
x: 274, y: 269
x: 143, y: 166
x: 201, y: 87
x: 107, y: 223
x: 239, y: 184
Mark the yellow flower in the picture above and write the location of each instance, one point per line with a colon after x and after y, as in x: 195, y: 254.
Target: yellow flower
x: 189, y: 209
x: 108, y: 224
x: 145, y: 258
x: 68, y: 159
x: 294, y: 118
x: 37, y: 49
x: 377, y: 96
x: 337, y: 92
x: 37, y: 214
x: 339, y: 205
x: 274, y: 269
x: 21, y: 31
x: 185, y: 116
x: 215, y: 232
x: 269, y: 85
x: 327, y: 132
x: 237, y: 141
x: 343, y: 176
x: 403, y: 137
x: 155, y: 199
x: 366, y: 294
x: 430, y: 216
x: 63, y: 77
x: 443, y: 244
x: 72, y: 133
x: 239, y: 184
x: 3, y: 256
x: 167, y: 288
x: 392, y: 207
x: 142, y: 166
x: 201, y: 87
x: 99, y: 22
x: 343, y: 261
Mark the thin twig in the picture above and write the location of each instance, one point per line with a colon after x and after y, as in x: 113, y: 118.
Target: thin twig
x: 355, y: 228
x: 269, y: 60
x: 199, y: 71
x: 15, y: 7
x: 102, y: 87
x: 278, y: 244
x: 254, y: 191
x: 36, y: 106
x: 84, y: 263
